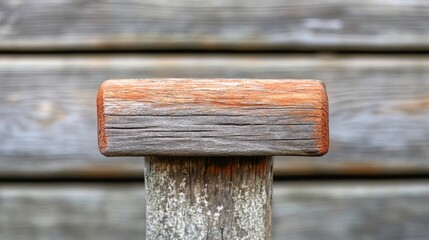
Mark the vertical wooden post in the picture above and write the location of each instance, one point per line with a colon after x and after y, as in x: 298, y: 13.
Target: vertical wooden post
x: 209, y: 144
x: 208, y: 197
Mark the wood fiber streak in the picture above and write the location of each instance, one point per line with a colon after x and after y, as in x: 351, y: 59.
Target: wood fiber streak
x: 208, y: 197
x: 269, y: 24
x: 213, y: 117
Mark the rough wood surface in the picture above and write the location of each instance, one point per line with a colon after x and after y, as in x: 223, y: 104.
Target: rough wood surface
x: 310, y: 211
x: 208, y: 197
x: 364, y: 210
x: 202, y: 117
x: 72, y: 212
x: 129, y: 24
x: 378, y: 109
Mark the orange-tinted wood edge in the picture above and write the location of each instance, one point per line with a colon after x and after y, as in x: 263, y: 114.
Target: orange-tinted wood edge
x: 101, y: 121
x: 322, y: 132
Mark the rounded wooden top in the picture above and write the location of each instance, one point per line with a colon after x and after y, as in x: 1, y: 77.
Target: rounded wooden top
x: 140, y: 117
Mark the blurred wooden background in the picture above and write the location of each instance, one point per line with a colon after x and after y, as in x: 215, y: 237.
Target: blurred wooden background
x: 372, y: 55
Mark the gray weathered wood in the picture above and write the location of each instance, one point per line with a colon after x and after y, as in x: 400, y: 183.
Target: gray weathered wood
x: 72, y: 212
x: 364, y: 210
x: 376, y: 24
x: 378, y: 109
x: 301, y: 211
x: 208, y: 197
x: 222, y: 117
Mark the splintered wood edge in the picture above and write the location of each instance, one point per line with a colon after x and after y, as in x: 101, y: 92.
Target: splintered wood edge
x: 124, y: 97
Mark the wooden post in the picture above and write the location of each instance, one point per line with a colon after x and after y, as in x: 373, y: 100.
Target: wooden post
x: 209, y: 144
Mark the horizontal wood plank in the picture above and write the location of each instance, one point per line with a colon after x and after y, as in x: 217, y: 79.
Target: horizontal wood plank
x: 72, y: 212
x: 270, y: 24
x: 378, y: 109
x: 337, y: 211
x: 320, y: 211
x: 212, y: 117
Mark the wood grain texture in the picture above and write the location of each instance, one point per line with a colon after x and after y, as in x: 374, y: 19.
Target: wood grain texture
x: 147, y: 24
x: 378, y: 109
x: 72, y: 212
x: 203, y: 117
x: 337, y: 211
x: 310, y: 211
x: 208, y: 197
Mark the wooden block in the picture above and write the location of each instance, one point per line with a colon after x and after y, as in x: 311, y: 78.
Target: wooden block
x: 212, y: 117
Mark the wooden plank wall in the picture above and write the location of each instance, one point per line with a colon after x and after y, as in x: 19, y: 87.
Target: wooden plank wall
x: 310, y: 211
x: 372, y: 55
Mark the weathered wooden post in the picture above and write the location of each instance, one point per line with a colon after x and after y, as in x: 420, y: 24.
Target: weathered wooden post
x: 208, y: 145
